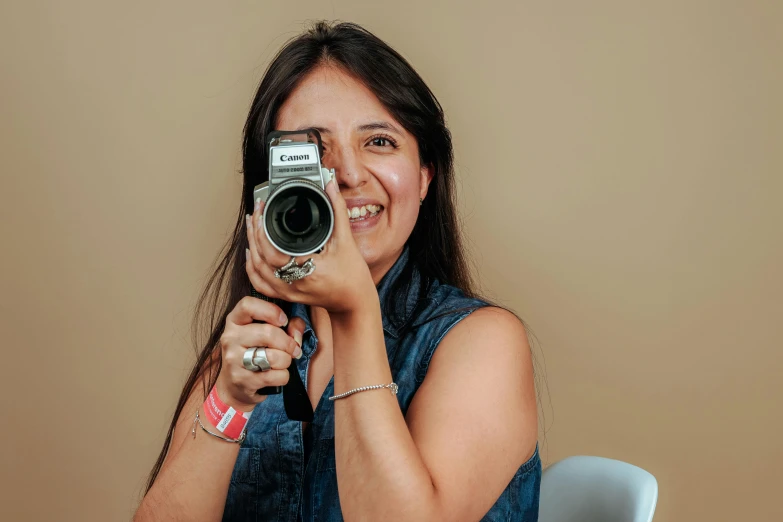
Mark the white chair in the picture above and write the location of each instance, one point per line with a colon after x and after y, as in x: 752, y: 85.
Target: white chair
x: 595, y: 489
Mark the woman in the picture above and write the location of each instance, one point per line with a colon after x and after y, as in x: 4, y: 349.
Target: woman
x: 390, y: 301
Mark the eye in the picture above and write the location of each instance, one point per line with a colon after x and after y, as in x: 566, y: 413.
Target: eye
x: 382, y: 141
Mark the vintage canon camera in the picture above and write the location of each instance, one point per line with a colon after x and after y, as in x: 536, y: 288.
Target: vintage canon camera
x: 298, y: 216
x: 298, y: 220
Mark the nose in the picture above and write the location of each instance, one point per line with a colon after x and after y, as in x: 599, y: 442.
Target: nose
x: 348, y: 169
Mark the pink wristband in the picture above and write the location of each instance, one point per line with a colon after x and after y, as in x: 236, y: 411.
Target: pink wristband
x: 226, y: 419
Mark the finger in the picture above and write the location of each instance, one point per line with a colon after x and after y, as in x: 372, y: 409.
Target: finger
x: 251, y: 241
x: 268, y: 254
x: 249, y: 308
x: 265, y: 335
x: 262, y: 254
x: 296, y: 328
x: 341, y: 221
x: 235, y: 355
x: 278, y: 359
x: 250, y: 382
x: 250, y: 221
x: 259, y: 282
x: 266, y: 259
x: 271, y: 286
x: 258, y: 380
x: 234, y: 392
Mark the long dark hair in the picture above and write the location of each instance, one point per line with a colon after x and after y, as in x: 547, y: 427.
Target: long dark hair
x: 435, y: 246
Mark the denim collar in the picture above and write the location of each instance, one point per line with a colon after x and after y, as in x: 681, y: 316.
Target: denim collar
x: 393, y: 320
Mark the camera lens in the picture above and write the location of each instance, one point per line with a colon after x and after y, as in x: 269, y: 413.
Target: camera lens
x: 298, y: 217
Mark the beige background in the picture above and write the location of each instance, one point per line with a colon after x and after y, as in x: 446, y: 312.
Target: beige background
x: 621, y: 176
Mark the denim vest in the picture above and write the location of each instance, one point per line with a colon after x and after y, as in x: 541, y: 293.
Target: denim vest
x: 272, y: 482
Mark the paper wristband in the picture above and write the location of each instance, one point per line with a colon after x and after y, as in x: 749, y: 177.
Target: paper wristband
x: 226, y: 419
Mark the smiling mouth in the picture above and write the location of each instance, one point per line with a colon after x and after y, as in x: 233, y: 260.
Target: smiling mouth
x: 364, y: 212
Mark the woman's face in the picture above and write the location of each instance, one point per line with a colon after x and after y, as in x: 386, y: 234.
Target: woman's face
x: 376, y: 161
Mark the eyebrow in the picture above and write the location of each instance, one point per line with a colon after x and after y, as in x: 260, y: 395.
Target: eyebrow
x: 375, y: 125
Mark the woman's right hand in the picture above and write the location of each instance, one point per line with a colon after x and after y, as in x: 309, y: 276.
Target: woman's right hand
x: 237, y: 386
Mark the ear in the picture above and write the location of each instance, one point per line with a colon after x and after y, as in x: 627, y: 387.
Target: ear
x: 425, y: 178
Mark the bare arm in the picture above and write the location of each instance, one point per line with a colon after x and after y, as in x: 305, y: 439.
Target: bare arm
x: 193, y: 482
x: 469, y: 428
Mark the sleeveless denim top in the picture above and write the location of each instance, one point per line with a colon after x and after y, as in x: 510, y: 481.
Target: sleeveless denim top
x: 272, y: 482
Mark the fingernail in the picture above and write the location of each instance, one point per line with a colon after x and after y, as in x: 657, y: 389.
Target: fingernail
x: 247, y: 220
x: 257, y: 205
x: 247, y: 254
x: 283, y: 319
x: 298, y: 340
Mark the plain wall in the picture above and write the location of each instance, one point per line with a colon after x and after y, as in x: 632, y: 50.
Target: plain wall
x: 620, y: 173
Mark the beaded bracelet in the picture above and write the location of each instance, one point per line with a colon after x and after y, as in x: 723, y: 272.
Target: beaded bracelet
x: 392, y: 387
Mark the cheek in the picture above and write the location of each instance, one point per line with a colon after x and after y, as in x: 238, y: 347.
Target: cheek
x: 400, y: 180
x: 402, y: 189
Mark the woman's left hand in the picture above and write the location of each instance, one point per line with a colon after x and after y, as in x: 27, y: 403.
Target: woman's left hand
x: 341, y: 281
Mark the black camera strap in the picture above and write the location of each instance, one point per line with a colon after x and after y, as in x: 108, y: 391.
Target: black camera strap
x: 295, y: 400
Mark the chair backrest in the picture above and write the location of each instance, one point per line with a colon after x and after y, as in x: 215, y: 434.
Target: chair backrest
x: 596, y: 489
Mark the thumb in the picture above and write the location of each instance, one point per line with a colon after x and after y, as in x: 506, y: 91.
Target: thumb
x: 341, y: 222
x: 295, y: 329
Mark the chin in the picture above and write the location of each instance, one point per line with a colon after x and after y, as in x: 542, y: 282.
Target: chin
x: 369, y: 252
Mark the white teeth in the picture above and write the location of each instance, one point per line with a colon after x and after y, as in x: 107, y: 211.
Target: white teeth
x: 363, y: 211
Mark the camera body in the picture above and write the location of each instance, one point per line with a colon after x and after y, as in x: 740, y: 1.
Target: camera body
x: 298, y: 215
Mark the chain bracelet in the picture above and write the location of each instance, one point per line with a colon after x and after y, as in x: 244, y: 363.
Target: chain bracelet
x: 392, y: 387
x: 240, y: 440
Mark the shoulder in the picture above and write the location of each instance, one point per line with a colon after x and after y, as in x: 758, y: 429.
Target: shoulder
x: 490, y: 332
x: 446, y: 303
x: 454, y: 325
x: 493, y: 322
x: 450, y: 306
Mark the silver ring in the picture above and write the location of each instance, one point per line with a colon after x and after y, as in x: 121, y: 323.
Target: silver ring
x: 292, y: 272
x: 260, y: 360
x: 247, y: 360
x: 288, y: 266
